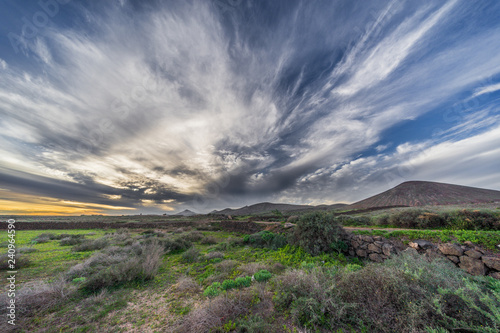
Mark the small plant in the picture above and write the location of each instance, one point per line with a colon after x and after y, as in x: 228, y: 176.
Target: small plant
x: 91, y: 245
x: 262, y: 275
x: 191, y: 255
x: 213, y: 290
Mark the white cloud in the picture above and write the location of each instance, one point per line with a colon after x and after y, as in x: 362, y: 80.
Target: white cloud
x: 3, y: 64
x: 486, y: 90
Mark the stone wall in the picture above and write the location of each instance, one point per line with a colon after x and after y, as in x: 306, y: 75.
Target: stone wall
x: 469, y: 257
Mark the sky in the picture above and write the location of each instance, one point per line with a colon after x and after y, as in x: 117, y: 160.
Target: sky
x: 152, y: 107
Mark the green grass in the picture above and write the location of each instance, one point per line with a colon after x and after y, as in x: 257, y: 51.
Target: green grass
x: 50, y: 258
x: 160, y: 304
x: 488, y: 239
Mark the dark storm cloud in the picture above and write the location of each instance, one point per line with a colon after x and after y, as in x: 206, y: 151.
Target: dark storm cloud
x: 157, y: 105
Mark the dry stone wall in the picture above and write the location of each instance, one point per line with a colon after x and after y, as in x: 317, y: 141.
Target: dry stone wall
x: 469, y: 257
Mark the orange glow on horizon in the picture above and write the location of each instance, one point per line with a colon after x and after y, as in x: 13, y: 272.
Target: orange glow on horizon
x: 22, y: 204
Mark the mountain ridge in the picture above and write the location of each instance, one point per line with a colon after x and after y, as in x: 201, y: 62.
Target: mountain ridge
x: 421, y: 193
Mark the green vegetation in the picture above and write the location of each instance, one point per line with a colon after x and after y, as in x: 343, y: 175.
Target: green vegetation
x: 488, y: 239
x: 412, y: 218
x: 284, y: 280
x: 316, y: 232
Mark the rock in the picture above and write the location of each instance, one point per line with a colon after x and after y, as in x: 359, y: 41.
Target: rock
x: 454, y: 259
x: 378, y: 238
x: 361, y: 253
x: 432, y: 254
x: 288, y: 225
x: 388, y: 249
x: 375, y: 257
x: 378, y: 243
x: 473, y: 254
x: 495, y: 275
x: 421, y: 244
x: 472, y: 266
x: 492, y: 262
x: 363, y: 246
x: 352, y: 253
x: 374, y: 248
x: 413, y: 245
x: 292, y: 218
x: 411, y: 251
x: 367, y: 238
x: 355, y: 244
x: 469, y: 244
x: 450, y: 249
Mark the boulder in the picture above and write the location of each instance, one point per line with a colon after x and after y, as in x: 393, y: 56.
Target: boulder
x: 472, y: 266
x: 473, y: 254
x: 378, y: 238
x: 492, y: 262
x: 421, y: 244
x: 450, y: 249
x: 375, y: 257
x: 374, y: 248
x: 361, y: 253
x: 367, y: 238
x: 388, y: 249
x: 288, y: 225
x: 355, y: 244
x: 454, y: 259
x: 432, y: 254
x: 378, y: 243
x: 495, y: 275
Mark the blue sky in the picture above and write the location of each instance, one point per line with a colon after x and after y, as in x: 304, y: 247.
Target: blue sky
x: 125, y: 107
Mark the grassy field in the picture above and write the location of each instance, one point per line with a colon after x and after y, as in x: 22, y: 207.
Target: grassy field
x: 217, y: 281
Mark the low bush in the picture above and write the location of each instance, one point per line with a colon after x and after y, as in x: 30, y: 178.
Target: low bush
x: 193, y: 236
x: 353, y: 220
x: 266, y: 239
x: 244, y: 310
x: 473, y: 220
x: 404, y: 294
x: 191, y: 255
x: 208, y: 240
x: 70, y: 241
x: 214, y: 255
x: 174, y: 245
x: 26, y: 250
x: 262, y: 275
x: 237, y: 283
x: 91, y: 245
x: 35, y: 298
x: 213, y: 290
x: 316, y: 231
x: 118, y: 265
x: 20, y: 261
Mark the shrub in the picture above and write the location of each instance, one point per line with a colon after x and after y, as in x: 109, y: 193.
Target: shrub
x: 214, y: 255
x: 70, y: 241
x: 213, y: 290
x: 404, y: 294
x: 266, y: 239
x: 118, y: 266
x: 91, y: 245
x: 353, y: 220
x: 208, y: 240
x: 174, y: 245
x: 244, y: 310
x: 191, y: 255
x: 316, y: 231
x: 472, y: 220
x: 35, y: 298
x: 262, y: 275
x: 252, y: 267
x: 187, y: 284
x: 26, y: 250
x: 193, y: 236
x: 21, y: 261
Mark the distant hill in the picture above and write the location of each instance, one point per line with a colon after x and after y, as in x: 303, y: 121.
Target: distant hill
x: 186, y: 212
x: 421, y: 193
x: 268, y: 207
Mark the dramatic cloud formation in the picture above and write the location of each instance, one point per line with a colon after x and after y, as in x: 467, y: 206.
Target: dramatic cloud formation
x: 156, y: 106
